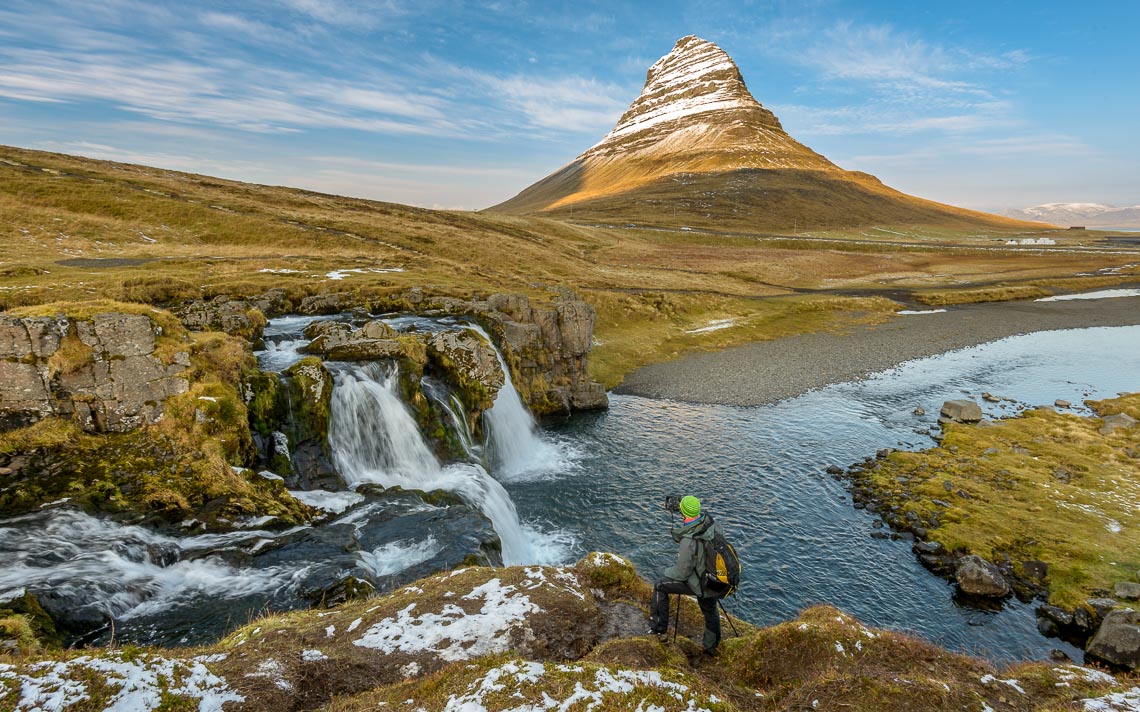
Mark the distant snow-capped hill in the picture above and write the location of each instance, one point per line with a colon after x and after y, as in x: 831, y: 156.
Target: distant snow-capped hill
x: 1086, y: 214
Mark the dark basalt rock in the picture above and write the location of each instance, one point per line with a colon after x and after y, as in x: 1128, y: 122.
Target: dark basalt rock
x: 1117, y: 642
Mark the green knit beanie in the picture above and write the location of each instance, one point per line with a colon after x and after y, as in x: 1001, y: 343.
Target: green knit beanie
x: 690, y: 506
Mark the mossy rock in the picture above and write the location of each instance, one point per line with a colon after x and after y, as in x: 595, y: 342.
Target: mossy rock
x: 26, y: 617
x: 310, y: 389
x: 266, y: 402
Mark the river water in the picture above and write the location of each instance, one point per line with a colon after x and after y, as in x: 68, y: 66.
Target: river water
x: 760, y: 472
x: 596, y: 481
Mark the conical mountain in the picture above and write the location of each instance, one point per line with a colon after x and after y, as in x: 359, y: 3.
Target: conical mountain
x: 696, y: 147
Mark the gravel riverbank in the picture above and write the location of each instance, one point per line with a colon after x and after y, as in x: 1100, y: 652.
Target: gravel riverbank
x: 769, y: 371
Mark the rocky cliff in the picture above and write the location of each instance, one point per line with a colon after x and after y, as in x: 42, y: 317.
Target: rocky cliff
x: 103, y: 371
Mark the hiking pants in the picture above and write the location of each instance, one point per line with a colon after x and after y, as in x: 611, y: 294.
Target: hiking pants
x: 659, y: 607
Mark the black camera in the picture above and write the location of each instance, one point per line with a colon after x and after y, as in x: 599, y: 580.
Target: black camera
x: 672, y: 503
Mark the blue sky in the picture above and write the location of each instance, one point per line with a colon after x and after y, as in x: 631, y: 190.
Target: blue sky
x: 989, y: 105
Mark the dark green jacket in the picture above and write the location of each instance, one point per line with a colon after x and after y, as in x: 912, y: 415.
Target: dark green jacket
x: 691, y: 554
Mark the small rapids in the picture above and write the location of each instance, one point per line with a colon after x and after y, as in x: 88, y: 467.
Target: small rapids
x: 101, y: 570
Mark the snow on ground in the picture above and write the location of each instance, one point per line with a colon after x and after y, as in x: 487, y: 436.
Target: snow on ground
x: 1114, y: 702
x: 335, y: 502
x: 714, y: 325
x: 910, y: 312
x: 515, y: 679
x: 139, y: 683
x: 1102, y: 294
x: 338, y: 274
x: 448, y: 634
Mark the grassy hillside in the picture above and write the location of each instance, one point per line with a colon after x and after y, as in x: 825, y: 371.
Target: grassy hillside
x: 75, y: 229
x: 753, y: 199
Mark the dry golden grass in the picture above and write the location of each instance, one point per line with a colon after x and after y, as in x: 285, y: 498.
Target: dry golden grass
x: 943, y: 298
x: 78, y: 230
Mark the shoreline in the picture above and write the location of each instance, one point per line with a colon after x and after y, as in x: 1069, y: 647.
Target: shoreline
x: 766, y: 372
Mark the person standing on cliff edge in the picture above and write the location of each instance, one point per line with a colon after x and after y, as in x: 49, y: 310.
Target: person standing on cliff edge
x: 686, y: 575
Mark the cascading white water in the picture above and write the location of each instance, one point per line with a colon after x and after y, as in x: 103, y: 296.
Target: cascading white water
x: 374, y: 438
x: 517, y: 450
x: 451, y: 405
x: 114, y: 566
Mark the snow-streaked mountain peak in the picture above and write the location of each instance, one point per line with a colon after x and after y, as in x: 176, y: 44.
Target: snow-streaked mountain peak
x: 696, y: 77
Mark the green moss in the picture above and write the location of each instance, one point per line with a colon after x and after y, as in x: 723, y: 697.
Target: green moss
x: 267, y: 405
x: 310, y: 392
x: 1044, y: 485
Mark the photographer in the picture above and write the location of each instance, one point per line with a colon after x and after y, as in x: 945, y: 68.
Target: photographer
x: 685, y: 577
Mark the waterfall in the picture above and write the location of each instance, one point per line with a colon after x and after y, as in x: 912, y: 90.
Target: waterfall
x: 517, y: 450
x: 451, y: 405
x: 374, y: 438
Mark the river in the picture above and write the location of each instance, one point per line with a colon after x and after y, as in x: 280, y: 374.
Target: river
x: 597, y: 480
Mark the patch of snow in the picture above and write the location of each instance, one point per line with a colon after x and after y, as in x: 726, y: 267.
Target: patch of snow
x: 411, y: 669
x: 714, y: 325
x: 449, y: 634
x: 839, y: 649
x: 1101, y: 294
x: 138, y: 684
x: 987, y: 679
x: 272, y: 670
x: 312, y: 656
x: 330, y: 631
x: 339, y: 274
x: 1129, y: 700
x: 266, y: 270
x: 911, y: 312
x: 272, y: 476
x: 1113, y: 526
x: 1069, y: 673
x: 355, y: 624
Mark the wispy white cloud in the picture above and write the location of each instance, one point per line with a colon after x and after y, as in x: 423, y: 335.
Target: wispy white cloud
x: 347, y: 162
x: 897, y: 82
x: 566, y: 103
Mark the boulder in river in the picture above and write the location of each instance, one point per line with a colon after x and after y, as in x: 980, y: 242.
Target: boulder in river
x: 962, y: 411
x: 978, y: 577
x: 1117, y: 642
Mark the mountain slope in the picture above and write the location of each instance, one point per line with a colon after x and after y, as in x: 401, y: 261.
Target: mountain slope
x: 1085, y: 214
x: 696, y: 146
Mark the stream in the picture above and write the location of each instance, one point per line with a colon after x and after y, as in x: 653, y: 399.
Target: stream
x: 594, y: 481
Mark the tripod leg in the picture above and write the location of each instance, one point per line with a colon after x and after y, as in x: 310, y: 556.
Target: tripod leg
x: 734, y: 631
x: 676, y: 618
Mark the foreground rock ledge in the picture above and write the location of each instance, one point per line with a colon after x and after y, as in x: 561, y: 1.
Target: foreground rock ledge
x: 497, y: 639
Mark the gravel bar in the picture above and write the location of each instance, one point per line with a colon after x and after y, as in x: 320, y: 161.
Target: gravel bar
x: 769, y: 371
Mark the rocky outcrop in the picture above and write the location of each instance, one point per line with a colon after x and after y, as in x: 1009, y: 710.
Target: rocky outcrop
x: 233, y: 316
x: 470, y: 363
x: 1117, y: 642
x: 978, y: 577
x: 103, y: 371
x: 546, y: 346
x: 548, y: 349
